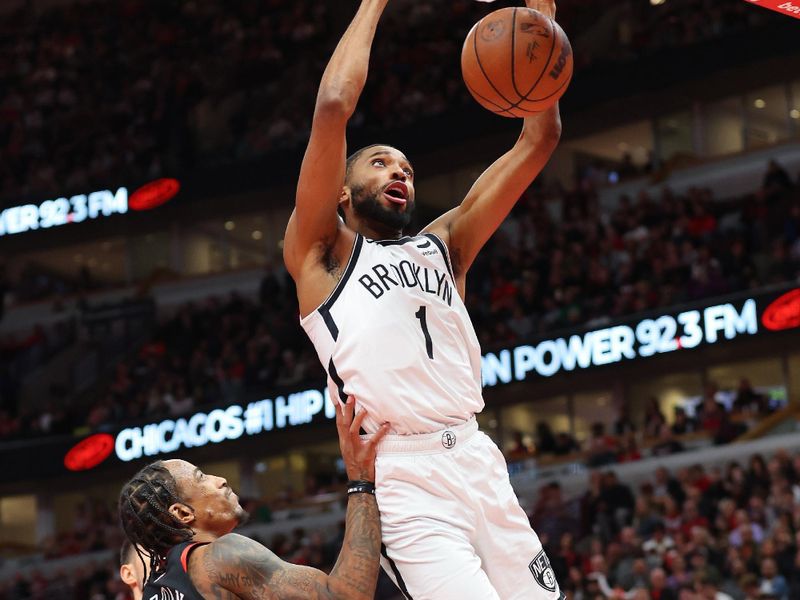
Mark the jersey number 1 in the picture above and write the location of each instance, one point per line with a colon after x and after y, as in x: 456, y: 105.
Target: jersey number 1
x: 423, y: 321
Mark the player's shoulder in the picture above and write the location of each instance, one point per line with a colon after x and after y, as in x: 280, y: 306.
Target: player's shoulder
x: 231, y: 543
x: 238, y: 548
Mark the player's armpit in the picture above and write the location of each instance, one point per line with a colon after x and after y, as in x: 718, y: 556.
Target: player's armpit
x: 469, y: 226
x: 238, y: 565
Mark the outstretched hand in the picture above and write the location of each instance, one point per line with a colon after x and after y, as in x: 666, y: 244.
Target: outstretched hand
x: 546, y: 7
x: 358, y: 454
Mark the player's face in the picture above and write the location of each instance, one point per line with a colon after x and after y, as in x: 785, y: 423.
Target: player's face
x: 216, y: 506
x: 382, y: 187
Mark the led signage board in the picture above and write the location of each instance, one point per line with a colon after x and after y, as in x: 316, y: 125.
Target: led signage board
x: 85, y: 207
x: 738, y: 317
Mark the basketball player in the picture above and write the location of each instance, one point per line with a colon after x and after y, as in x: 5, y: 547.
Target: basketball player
x: 131, y: 569
x: 386, y: 313
x: 182, y: 519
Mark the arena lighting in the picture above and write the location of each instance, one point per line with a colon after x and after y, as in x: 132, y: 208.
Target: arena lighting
x: 759, y: 103
x: 90, y: 452
x: 85, y: 207
x: 783, y: 313
x: 794, y: 113
x: 154, y: 194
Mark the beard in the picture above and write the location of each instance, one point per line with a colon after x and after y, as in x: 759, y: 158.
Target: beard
x: 242, y: 516
x: 366, y: 205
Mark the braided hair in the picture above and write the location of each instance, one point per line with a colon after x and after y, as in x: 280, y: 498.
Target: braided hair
x: 144, y: 514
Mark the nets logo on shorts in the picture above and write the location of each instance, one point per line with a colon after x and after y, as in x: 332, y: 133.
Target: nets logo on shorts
x: 543, y: 572
x: 449, y: 439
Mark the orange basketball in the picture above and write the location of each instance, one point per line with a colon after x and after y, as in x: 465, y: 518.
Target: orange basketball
x: 516, y: 62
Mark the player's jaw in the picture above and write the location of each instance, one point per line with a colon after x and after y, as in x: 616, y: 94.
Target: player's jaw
x: 388, y: 206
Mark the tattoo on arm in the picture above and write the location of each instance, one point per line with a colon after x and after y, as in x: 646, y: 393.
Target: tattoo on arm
x: 238, y: 565
x: 356, y: 572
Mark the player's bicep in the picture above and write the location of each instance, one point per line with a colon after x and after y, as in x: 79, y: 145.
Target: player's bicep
x: 320, y: 183
x: 252, y: 572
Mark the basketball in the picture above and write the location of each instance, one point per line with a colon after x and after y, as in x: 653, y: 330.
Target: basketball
x: 516, y: 62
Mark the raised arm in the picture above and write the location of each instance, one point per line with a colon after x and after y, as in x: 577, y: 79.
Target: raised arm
x: 234, y: 564
x: 468, y: 227
x: 314, y: 222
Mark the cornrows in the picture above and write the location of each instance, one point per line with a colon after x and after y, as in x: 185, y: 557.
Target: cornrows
x: 144, y: 514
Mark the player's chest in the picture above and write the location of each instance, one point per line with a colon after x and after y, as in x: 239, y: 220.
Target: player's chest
x: 388, y: 277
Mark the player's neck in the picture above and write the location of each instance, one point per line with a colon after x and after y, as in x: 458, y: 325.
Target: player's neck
x: 376, y: 231
x: 201, y: 536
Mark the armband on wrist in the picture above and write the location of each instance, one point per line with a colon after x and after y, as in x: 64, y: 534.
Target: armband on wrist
x: 360, y: 487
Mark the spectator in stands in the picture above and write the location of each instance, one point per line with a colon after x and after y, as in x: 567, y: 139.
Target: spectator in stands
x: 653, y: 418
x: 630, y: 449
x: 565, y: 444
x: 624, y: 424
x: 712, y: 415
x: 658, y: 586
x: 545, y: 440
x: 602, y: 448
x: 682, y: 424
x: 518, y: 450
x: 667, y: 444
x: 748, y: 400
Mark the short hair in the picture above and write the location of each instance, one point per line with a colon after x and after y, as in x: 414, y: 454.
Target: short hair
x: 144, y: 514
x: 125, y: 552
x: 356, y: 155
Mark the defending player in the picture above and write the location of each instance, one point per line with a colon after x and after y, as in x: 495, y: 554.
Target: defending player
x: 182, y: 520
x: 132, y: 569
x: 385, y: 313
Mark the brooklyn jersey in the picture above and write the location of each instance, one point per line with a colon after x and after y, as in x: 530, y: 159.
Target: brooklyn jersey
x: 395, y: 334
x: 173, y: 583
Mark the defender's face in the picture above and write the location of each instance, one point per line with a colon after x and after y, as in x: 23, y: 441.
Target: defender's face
x: 216, y: 506
x: 382, y: 187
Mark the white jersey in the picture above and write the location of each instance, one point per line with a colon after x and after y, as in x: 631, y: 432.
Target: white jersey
x: 395, y: 334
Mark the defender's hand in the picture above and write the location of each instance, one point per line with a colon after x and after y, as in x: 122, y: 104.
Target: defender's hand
x: 358, y: 455
x: 546, y: 7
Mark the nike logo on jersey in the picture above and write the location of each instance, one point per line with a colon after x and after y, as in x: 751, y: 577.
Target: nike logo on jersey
x: 406, y: 274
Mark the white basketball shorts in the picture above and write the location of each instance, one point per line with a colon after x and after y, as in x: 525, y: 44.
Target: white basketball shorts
x: 452, y: 526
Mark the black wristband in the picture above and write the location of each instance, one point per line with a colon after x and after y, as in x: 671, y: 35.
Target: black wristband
x: 360, y: 487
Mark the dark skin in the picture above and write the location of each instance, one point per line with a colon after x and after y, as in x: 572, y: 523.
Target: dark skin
x: 232, y: 566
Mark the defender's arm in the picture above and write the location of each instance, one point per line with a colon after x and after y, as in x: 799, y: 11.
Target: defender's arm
x: 238, y: 565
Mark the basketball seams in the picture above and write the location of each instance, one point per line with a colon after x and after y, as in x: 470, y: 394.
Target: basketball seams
x: 483, y: 71
x: 491, y: 95
x: 514, y: 53
x: 500, y: 110
x: 549, y: 57
x: 553, y: 93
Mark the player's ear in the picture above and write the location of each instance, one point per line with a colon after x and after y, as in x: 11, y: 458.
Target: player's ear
x: 183, y: 513
x: 345, y: 197
x: 127, y: 575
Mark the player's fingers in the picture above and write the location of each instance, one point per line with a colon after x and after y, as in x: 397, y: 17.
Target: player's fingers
x: 344, y: 416
x: 355, y: 426
x: 379, y: 435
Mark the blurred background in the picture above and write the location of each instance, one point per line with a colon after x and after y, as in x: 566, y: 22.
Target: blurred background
x: 638, y: 310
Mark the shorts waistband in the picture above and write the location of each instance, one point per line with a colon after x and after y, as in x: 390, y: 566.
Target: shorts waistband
x: 440, y: 441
